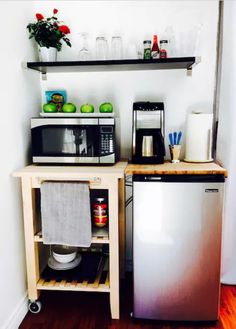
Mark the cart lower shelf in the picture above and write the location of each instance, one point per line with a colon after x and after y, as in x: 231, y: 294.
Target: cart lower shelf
x: 74, y: 285
x: 90, y: 275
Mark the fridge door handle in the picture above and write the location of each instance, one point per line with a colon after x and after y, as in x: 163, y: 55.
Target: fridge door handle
x: 209, y: 144
x: 154, y: 179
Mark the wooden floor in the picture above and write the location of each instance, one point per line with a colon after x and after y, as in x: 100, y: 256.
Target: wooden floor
x: 75, y: 310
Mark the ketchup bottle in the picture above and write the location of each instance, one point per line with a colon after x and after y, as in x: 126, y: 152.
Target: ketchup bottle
x: 155, y: 48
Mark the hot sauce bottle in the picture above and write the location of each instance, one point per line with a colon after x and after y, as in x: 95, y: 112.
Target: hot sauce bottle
x: 163, y: 48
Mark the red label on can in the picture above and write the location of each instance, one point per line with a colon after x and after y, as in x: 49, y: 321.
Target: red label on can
x: 100, y: 214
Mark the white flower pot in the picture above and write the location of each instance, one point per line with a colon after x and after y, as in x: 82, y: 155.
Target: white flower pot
x: 47, y: 54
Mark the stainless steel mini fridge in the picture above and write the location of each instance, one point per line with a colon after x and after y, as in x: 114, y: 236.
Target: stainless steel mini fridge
x: 177, y: 222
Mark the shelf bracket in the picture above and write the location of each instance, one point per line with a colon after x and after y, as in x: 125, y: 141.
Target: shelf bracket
x: 189, y: 72
x: 190, y: 68
x: 44, y: 76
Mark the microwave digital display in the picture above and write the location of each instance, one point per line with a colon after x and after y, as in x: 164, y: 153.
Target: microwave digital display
x: 106, y: 129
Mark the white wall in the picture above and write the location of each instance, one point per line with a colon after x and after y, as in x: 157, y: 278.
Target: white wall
x: 226, y: 140
x: 136, y: 21
x: 20, y: 98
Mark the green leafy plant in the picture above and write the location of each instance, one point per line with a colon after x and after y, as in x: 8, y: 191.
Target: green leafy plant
x: 49, y: 32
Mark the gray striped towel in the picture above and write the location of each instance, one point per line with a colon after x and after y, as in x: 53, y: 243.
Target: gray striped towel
x: 65, y: 212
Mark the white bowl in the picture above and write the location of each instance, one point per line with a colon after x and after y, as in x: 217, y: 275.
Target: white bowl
x: 55, y: 265
x: 64, y: 254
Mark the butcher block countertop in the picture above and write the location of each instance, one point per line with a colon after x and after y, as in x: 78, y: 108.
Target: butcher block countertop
x: 116, y: 170
x: 181, y: 168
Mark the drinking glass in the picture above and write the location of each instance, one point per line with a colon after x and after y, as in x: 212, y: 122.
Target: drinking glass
x: 84, y: 53
x: 101, y: 48
x: 116, y: 47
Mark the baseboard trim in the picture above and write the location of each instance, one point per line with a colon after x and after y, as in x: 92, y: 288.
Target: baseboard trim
x: 17, y: 315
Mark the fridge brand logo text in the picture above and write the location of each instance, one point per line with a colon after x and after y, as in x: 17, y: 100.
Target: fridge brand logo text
x: 211, y: 190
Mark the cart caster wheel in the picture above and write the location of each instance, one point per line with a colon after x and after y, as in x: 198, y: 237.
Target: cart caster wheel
x: 35, y: 307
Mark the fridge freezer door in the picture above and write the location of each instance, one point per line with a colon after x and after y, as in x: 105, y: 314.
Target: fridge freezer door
x: 177, y: 250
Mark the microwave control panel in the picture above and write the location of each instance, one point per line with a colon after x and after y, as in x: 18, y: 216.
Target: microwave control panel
x: 106, y: 140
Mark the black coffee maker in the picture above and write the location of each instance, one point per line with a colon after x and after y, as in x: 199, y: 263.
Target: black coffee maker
x: 148, y: 133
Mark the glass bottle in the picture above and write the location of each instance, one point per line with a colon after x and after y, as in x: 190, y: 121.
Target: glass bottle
x: 155, y: 48
x: 164, y: 49
x: 147, y: 49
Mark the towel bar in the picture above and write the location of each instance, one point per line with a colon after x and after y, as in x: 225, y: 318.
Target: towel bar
x: 36, y: 182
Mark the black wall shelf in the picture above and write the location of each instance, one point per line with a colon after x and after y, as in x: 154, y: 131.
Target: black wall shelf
x: 115, y: 65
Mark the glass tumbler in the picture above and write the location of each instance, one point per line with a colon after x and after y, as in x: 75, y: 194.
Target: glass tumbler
x: 101, y: 48
x: 84, y: 53
x: 116, y: 47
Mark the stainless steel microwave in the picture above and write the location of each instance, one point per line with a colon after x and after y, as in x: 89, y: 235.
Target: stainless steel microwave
x: 73, y: 140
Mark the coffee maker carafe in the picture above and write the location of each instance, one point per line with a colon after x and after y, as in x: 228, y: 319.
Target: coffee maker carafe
x: 148, y: 133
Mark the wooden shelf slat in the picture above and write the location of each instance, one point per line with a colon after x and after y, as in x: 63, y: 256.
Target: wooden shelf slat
x: 95, y: 239
x: 85, y: 283
x: 88, y: 288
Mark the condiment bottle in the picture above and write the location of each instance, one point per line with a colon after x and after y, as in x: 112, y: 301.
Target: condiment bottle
x: 164, y: 49
x: 147, y: 49
x: 100, y: 217
x: 155, y: 49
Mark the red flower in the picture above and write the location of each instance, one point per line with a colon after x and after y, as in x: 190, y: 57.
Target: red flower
x: 55, y: 11
x: 39, y: 17
x: 64, y: 29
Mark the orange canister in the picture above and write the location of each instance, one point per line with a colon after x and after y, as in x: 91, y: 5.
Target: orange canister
x: 100, y: 217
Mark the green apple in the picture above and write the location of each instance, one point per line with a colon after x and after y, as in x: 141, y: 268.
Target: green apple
x: 68, y: 108
x: 87, y: 108
x: 106, y: 108
x: 50, y: 108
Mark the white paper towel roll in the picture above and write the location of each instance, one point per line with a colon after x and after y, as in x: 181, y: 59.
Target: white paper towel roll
x: 199, y: 137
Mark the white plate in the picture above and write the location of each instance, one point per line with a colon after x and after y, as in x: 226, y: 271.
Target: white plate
x: 53, y: 264
x: 198, y: 161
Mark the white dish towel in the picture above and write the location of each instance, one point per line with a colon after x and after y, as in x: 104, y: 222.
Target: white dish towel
x: 65, y: 212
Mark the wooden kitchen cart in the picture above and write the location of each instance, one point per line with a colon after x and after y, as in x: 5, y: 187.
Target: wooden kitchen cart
x: 110, y: 178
